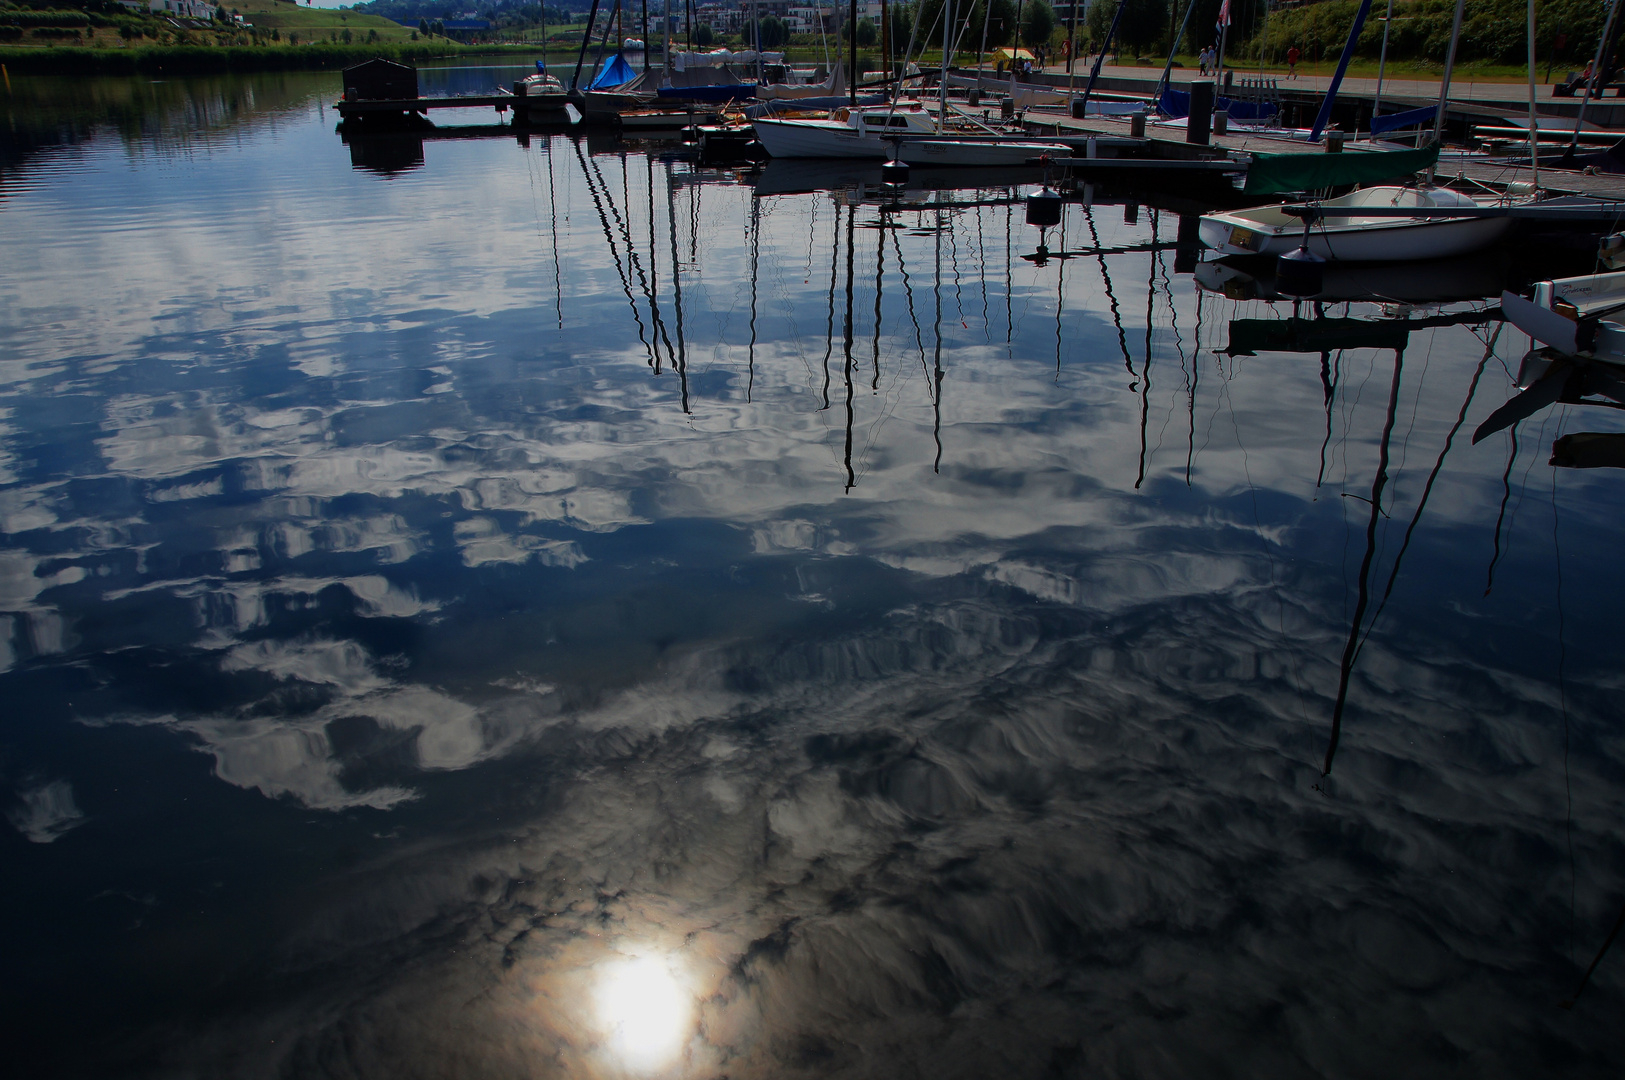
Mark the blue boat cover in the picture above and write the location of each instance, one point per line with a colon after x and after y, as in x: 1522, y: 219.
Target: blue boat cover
x: 1177, y: 103
x: 1408, y: 118
x: 617, y: 72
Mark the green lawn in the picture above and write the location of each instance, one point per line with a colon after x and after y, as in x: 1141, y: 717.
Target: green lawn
x: 308, y: 22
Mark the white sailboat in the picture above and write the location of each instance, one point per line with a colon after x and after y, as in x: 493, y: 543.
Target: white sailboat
x: 1342, y: 237
x: 876, y: 133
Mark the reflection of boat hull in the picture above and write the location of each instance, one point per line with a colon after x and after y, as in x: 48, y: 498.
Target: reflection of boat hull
x: 1589, y: 450
x: 1269, y: 230
x: 792, y: 177
x: 837, y: 139
x: 1437, y: 281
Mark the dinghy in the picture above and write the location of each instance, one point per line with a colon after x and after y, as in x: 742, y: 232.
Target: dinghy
x: 1277, y: 230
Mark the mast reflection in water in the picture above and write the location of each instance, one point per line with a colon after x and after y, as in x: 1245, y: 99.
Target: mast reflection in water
x: 534, y: 607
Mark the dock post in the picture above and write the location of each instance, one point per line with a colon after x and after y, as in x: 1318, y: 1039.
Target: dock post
x: 1201, y: 114
x: 1221, y: 122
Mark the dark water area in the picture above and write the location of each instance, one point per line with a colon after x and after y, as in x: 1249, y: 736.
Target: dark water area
x: 527, y: 606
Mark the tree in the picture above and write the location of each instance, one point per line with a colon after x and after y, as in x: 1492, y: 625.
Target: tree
x: 774, y: 34
x: 867, y: 34
x: 1145, y: 23
x: 902, y: 22
x: 1037, y: 22
x: 703, y: 36
x: 423, y: 27
x: 1000, y: 25
x: 346, y: 35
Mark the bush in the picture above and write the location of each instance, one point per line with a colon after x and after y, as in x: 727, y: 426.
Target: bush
x: 48, y: 18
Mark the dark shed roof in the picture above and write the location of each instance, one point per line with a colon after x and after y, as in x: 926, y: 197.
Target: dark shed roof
x: 380, y: 80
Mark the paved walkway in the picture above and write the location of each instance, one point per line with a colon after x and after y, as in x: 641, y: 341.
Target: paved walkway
x: 1461, y: 89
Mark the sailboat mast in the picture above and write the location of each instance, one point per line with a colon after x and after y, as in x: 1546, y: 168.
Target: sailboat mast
x: 852, y: 53
x: 1382, y: 59
x: 1596, y: 73
x: 1168, y: 68
x: 1444, y: 85
x: 1325, y: 114
x: 1534, y: 141
x: 586, y: 39
x: 942, y: 76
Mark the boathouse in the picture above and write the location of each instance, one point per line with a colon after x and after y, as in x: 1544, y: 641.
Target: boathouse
x: 380, y: 80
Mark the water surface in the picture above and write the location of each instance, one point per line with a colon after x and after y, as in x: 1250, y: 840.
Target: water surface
x: 529, y: 606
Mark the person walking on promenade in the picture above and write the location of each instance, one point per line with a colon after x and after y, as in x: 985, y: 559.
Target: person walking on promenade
x: 1292, y: 55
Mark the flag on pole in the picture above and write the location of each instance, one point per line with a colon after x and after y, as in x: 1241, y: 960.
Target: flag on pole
x: 1224, y: 16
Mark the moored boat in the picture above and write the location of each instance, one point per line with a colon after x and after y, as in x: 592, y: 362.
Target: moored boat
x: 1275, y: 230
x: 877, y: 134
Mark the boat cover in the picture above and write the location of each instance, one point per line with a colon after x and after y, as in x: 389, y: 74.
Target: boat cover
x: 617, y: 72
x: 1271, y: 173
x: 1408, y: 118
x: 707, y: 92
x: 1177, y: 103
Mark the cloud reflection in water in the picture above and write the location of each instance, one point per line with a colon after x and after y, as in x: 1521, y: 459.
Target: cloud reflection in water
x: 569, y: 718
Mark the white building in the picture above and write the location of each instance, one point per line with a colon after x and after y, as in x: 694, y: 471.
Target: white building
x: 182, y: 9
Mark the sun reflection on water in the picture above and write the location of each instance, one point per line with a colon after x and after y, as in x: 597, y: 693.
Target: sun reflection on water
x: 644, y: 1010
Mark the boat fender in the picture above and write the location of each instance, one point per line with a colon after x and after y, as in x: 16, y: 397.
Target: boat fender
x: 1299, y: 273
x: 1044, y: 209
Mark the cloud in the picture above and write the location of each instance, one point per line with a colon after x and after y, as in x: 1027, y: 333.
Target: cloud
x: 45, y: 811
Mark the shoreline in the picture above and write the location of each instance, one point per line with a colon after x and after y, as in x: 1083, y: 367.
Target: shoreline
x: 217, y: 59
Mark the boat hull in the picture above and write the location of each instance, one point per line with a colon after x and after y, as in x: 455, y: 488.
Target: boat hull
x: 1389, y: 241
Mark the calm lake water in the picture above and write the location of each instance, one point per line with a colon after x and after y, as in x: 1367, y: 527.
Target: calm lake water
x: 503, y: 607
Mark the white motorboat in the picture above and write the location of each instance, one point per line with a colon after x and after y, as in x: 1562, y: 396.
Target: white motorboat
x: 1271, y: 230
x: 1580, y: 317
x: 909, y: 133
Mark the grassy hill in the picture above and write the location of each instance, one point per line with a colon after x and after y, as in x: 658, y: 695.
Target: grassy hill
x: 312, y: 22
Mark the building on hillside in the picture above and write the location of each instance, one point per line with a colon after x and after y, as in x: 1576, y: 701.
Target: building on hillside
x: 182, y: 9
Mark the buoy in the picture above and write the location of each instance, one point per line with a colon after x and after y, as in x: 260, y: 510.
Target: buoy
x: 1299, y: 273
x: 894, y: 172
x: 1044, y: 209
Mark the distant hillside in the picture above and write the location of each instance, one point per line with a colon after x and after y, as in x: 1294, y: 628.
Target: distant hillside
x: 313, y: 22
x: 505, y: 12
x: 1491, y: 30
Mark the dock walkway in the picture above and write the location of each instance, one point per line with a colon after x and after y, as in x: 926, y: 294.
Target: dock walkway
x: 1170, y: 142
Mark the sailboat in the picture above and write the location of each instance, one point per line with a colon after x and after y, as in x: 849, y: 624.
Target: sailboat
x: 1372, y: 224
x: 1349, y: 235
x: 911, y: 133
x: 907, y: 133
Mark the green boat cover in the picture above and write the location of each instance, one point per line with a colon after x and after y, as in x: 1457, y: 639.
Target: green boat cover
x: 1271, y: 173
